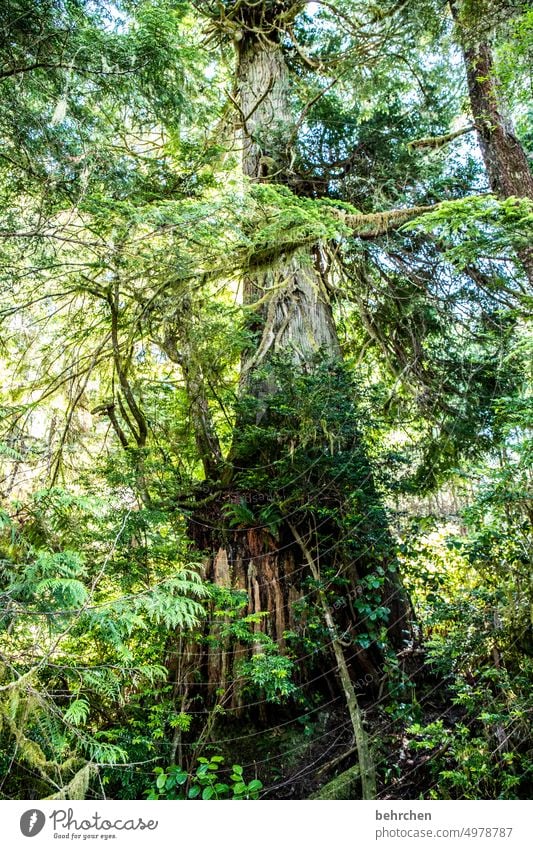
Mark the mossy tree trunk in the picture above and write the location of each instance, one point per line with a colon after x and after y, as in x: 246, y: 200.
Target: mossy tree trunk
x: 293, y: 319
x: 296, y: 316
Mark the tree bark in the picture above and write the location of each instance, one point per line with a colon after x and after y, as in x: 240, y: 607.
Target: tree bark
x: 297, y: 315
x: 504, y: 157
x: 506, y: 163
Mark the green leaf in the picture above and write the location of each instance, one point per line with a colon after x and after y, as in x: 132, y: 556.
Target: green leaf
x: 221, y: 788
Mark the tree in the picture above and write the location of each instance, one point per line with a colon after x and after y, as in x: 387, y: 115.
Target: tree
x: 508, y: 170
x: 288, y: 296
x: 249, y: 303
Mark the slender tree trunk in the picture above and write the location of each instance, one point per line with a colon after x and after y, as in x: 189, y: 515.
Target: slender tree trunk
x: 177, y: 341
x: 504, y: 157
x: 366, y: 764
x: 506, y: 163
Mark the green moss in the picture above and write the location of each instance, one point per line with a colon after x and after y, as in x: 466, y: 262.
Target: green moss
x: 344, y: 786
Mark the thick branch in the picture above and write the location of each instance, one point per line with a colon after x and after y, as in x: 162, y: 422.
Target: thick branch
x: 108, y: 409
x: 436, y: 142
x: 375, y: 224
x: 124, y: 383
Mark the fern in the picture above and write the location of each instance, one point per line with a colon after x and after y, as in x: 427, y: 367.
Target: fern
x: 170, y: 603
x: 103, y: 753
x: 77, y: 712
x: 67, y: 592
x: 104, y: 683
x: 9, y: 453
x: 239, y: 515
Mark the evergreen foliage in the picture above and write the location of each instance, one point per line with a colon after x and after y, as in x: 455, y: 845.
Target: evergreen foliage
x: 206, y: 511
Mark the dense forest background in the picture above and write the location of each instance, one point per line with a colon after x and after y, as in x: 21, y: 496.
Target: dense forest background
x: 265, y: 442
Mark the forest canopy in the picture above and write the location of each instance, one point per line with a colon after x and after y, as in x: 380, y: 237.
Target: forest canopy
x: 266, y: 404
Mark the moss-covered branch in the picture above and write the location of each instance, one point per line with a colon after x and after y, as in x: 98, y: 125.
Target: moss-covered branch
x: 436, y: 142
x: 375, y: 224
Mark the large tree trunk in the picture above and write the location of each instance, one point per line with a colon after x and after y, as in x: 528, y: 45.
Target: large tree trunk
x: 506, y: 163
x: 297, y: 315
x: 292, y: 318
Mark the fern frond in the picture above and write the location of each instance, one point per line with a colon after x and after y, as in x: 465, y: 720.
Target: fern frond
x: 77, y: 712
